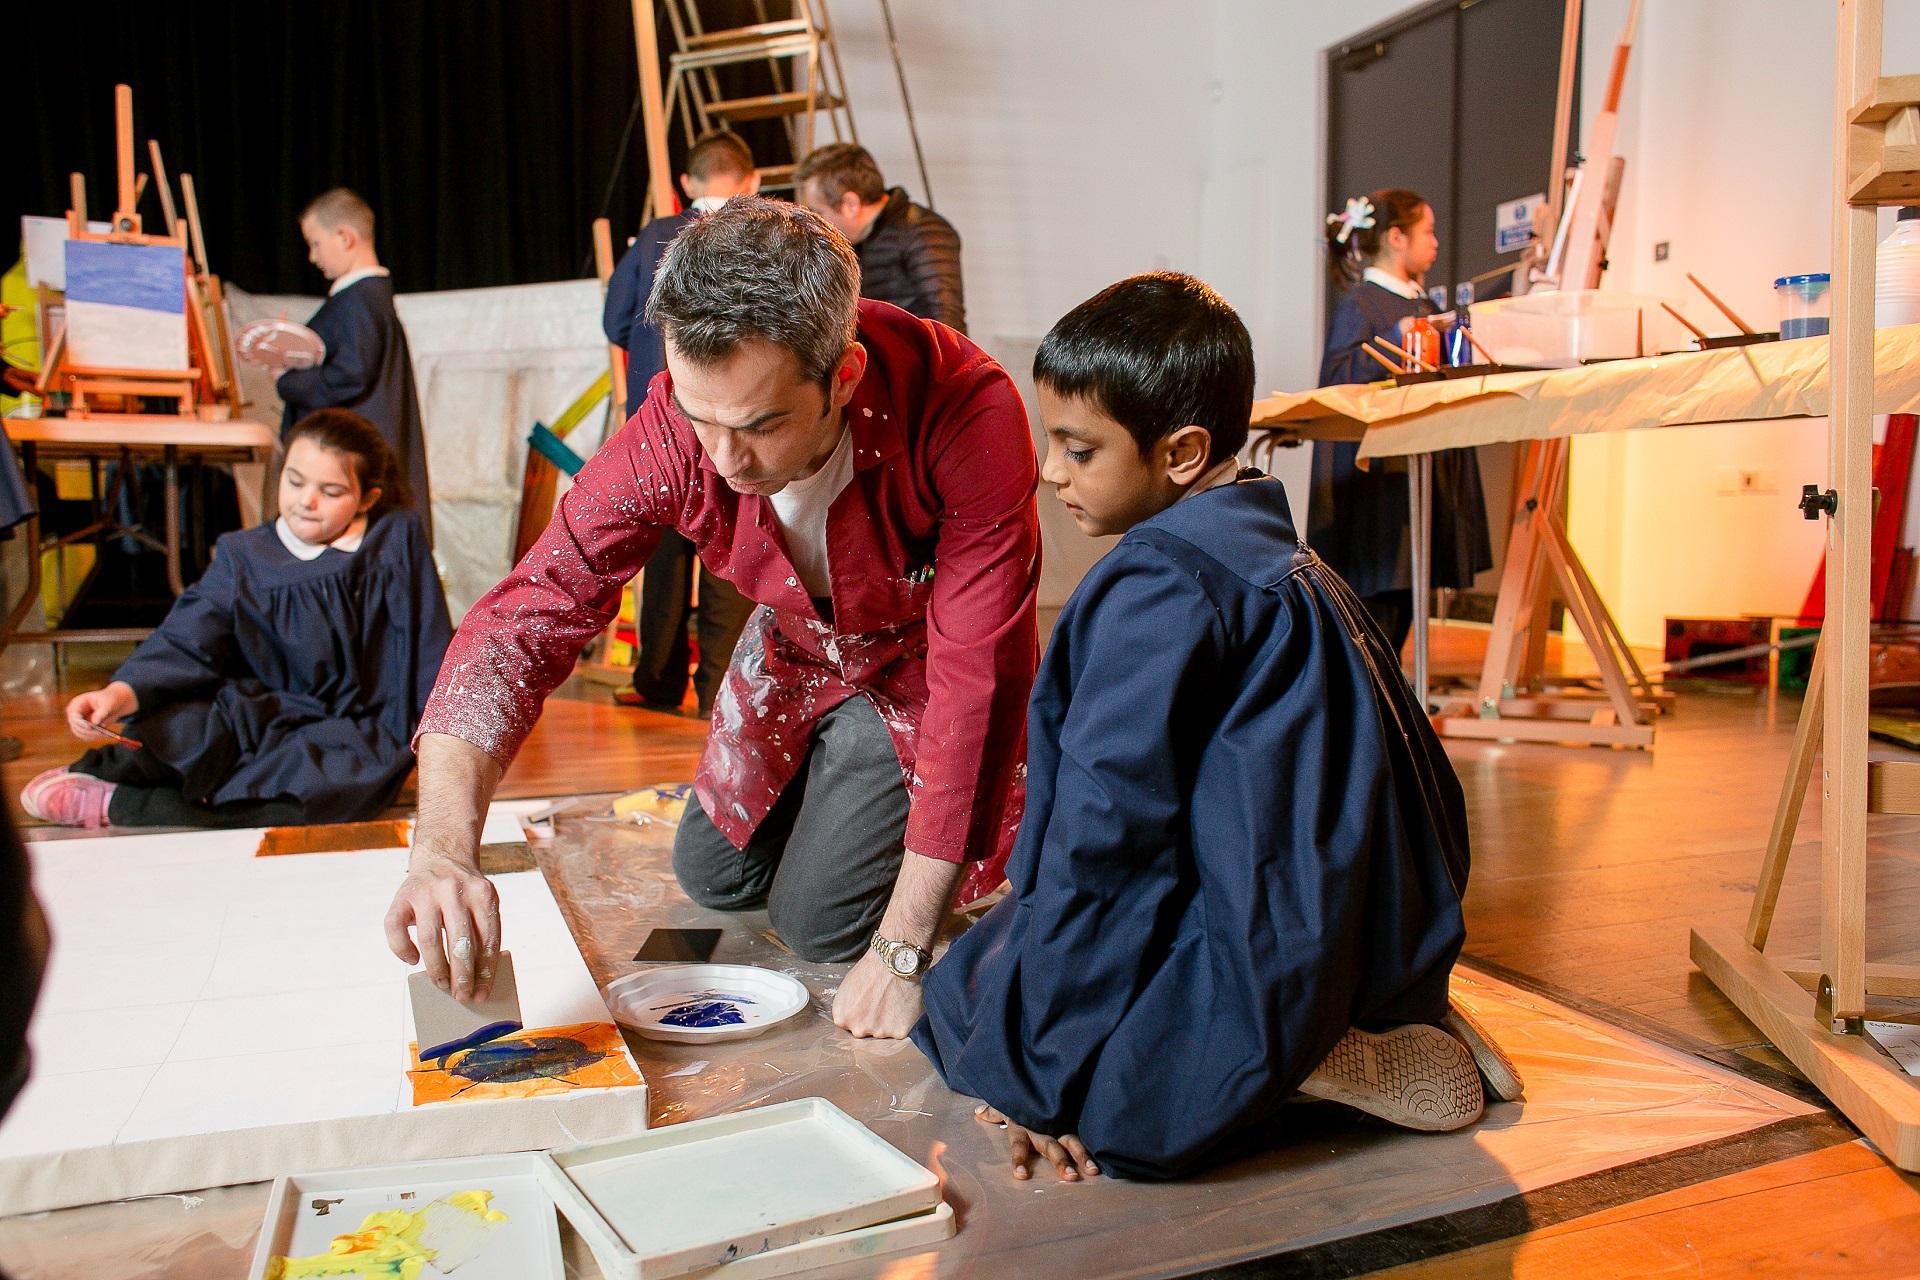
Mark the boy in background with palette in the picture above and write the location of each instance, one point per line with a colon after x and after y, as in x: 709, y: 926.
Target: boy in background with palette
x: 368, y: 367
x: 1243, y: 849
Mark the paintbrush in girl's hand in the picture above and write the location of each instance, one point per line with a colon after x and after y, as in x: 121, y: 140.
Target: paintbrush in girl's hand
x: 101, y: 730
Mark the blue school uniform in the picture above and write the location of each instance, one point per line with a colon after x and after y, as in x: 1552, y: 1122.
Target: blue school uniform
x: 1241, y: 839
x: 277, y: 678
x: 368, y: 369
x: 624, y: 318
x: 1358, y: 520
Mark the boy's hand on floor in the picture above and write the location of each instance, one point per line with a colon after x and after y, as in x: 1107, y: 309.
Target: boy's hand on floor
x: 1068, y: 1155
x: 874, y: 1003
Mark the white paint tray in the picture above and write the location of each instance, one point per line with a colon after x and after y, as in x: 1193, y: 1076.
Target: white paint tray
x: 694, y: 1196
x: 307, y: 1210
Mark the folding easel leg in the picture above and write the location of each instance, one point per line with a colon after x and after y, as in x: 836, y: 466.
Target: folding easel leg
x: 1610, y: 634
x: 1611, y: 676
x: 1512, y: 604
x: 1786, y: 814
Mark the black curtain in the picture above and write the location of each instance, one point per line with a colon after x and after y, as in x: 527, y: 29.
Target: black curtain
x: 483, y: 132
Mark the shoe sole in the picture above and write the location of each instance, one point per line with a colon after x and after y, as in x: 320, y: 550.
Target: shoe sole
x: 1414, y: 1076
x: 1497, y: 1071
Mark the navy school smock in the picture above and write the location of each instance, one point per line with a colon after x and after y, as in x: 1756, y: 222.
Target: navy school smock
x: 1358, y: 519
x: 280, y: 678
x: 368, y: 369
x: 1241, y: 839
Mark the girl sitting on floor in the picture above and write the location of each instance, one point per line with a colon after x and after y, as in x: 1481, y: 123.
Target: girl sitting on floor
x: 284, y: 685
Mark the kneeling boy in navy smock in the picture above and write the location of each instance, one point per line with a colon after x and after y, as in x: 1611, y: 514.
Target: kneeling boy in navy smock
x: 1240, y: 869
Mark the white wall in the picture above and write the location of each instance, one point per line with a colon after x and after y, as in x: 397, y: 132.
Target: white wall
x: 1726, y: 125
x: 1076, y: 142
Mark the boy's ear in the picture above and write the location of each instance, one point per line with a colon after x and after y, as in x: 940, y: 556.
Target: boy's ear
x: 1186, y: 450
x: 686, y: 186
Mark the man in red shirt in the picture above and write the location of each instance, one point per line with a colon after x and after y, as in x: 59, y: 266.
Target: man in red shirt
x: 867, y: 478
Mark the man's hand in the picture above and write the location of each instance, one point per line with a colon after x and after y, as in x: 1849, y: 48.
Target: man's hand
x: 1068, y: 1155
x: 873, y: 1002
x: 454, y: 911
x: 455, y: 915
x: 89, y: 711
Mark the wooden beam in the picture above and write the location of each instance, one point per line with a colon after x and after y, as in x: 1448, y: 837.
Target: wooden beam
x: 653, y: 116
x: 167, y: 213
x: 1590, y: 734
x: 1846, y: 630
x: 126, y: 214
x: 1901, y: 981
x: 1786, y: 812
x: 1873, y: 1092
x: 193, y: 222
x: 616, y: 358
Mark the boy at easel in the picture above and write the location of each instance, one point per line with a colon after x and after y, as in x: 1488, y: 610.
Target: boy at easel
x: 368, y: 367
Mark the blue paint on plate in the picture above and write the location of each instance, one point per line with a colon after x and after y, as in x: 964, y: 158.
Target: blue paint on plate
x: 705, y: 1013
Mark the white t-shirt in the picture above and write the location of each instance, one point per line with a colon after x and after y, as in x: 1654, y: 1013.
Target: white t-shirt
x: 801, y: 511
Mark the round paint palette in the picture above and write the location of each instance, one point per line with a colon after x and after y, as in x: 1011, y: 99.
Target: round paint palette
x: 280, y: 344
x: 701, y: 1003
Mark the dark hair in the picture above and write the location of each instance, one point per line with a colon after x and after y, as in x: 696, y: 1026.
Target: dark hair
x: 841, y: 167
x: 756, y: 268
x: 341, y: 207
x: 367, y: 451
x: 1155, y: 353
x: 719, y: 151
x: 1392, y: 207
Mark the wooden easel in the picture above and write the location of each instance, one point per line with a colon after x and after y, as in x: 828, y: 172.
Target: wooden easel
x: 1513, y: 699
x: 87, y: 387
x: 1815, y: 1009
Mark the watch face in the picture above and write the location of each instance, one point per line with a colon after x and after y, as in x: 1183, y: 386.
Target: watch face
x: 904, y: 960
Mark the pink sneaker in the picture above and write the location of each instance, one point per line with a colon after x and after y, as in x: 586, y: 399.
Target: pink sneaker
x: 68, y: 799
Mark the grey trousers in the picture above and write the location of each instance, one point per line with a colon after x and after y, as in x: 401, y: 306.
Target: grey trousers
x: 824, y: 861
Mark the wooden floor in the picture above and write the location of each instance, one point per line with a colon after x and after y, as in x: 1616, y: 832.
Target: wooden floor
x: 1589, y: 868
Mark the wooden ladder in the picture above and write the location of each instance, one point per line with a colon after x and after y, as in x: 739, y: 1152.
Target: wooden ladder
x: 804, y: 79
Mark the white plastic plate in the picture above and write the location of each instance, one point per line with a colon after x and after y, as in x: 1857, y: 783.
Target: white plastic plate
x: 307, y: 1210
x: 702, y: 1003
x: 916, y: 1231
x: 694, y: 1196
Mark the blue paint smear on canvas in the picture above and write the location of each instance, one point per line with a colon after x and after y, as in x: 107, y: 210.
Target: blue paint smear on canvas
x: 705, y: 1013
x: 147, y: 276
x: 512, y: 1060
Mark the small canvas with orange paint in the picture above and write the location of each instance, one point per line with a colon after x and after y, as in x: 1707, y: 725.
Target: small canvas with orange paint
x: 526, y: 1064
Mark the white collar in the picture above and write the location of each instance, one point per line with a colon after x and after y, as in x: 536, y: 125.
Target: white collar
x: 707, y: 204
x: 1393, y: 284
x: 354, y: 277
x: 304, y: 550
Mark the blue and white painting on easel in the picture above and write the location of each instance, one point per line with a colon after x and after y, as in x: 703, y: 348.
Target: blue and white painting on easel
x: 126, y: 306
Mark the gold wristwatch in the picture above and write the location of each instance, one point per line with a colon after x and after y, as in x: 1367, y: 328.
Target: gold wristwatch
x: 903, y: 959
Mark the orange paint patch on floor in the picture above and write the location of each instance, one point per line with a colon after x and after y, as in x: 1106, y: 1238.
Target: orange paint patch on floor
x: 335, y: 837
x: 527, y: 1064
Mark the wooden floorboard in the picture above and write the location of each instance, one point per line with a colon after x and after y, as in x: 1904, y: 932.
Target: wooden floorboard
x: 1842, y: 1211
x: 1590, y: 865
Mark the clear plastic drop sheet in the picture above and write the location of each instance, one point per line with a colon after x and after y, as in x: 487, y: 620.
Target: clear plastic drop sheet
x: 1597, y: 1098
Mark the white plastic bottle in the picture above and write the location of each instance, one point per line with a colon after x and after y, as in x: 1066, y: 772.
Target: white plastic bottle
x: 1896, y: 274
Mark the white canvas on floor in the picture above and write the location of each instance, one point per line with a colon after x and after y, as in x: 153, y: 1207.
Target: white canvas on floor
x: 212, y: 1017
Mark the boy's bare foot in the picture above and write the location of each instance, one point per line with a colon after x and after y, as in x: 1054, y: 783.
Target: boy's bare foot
x: 1415, y: 1076
x: 1497, y: 1072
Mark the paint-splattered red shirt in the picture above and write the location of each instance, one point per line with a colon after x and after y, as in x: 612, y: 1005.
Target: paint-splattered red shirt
x: 944, y: 478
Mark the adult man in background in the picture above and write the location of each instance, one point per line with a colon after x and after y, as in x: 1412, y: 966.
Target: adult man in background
x: 719, y: 167
x: 909, y: 255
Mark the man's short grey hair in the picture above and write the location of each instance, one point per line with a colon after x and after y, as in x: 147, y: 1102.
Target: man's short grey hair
x: 757, y: 268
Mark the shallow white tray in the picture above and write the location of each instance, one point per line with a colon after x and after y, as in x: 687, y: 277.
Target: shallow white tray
x: 914, y: 1232
x: 524, y: 1247
x: 743, y: 1001
x: 694, y: 1196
